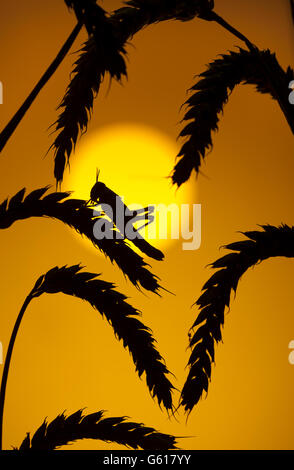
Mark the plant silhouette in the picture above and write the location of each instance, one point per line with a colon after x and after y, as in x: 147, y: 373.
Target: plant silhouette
x: 104, y: 54
x: 292, y: 8
x: 211, y: 93
x: 66, y: 429
x: 260, y: 245
x: 76, y: 213
x: 122, y: 317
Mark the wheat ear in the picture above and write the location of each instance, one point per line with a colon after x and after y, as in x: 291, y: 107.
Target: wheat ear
x: 67, y: 429
x: 103, y: 54
x: 260, y: 245
x: 78, y: 215
x: 122, y: 316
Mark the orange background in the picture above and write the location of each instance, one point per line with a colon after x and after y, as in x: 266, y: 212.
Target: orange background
x: 66, y: 356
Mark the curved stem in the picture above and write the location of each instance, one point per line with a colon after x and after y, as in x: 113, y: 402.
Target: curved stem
x: 13, y: 123
x: 8, y: 359
x: 277, y: 87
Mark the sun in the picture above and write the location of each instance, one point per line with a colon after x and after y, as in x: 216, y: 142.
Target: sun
x: 135, y: 162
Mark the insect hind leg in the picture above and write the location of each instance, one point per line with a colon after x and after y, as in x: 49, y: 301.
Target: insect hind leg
x: 145, y: 225
x: 146, y: 215
x: 144, y: 210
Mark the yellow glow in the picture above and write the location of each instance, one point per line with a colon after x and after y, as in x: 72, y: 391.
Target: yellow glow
x: 135, y: 162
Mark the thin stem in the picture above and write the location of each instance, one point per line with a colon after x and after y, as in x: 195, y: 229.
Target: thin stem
x: 13, y: 123
x: 218, y: 19
x: 8, y: 359
x: 292, y: 9
x: 277, y: 88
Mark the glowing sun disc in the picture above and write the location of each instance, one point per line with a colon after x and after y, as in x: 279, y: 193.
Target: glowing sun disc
x: 135, y: 162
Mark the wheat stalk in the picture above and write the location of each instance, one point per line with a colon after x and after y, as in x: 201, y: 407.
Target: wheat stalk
x: 66, y: 429
x: 292, y: 9
x: 211, y: 93
x: 18, y: 116
x: 162, y: 10
x: 87, y: 12
x: 104, y: 55
x: 78, y: 215
x: 271, y: 241
x: 114, y: 30
x: 122, y: 316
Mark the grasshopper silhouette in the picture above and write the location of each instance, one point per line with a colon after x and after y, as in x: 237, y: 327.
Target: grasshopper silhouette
x: 113, y: 206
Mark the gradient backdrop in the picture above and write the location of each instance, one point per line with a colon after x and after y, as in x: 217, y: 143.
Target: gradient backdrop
x: 66, y: 356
